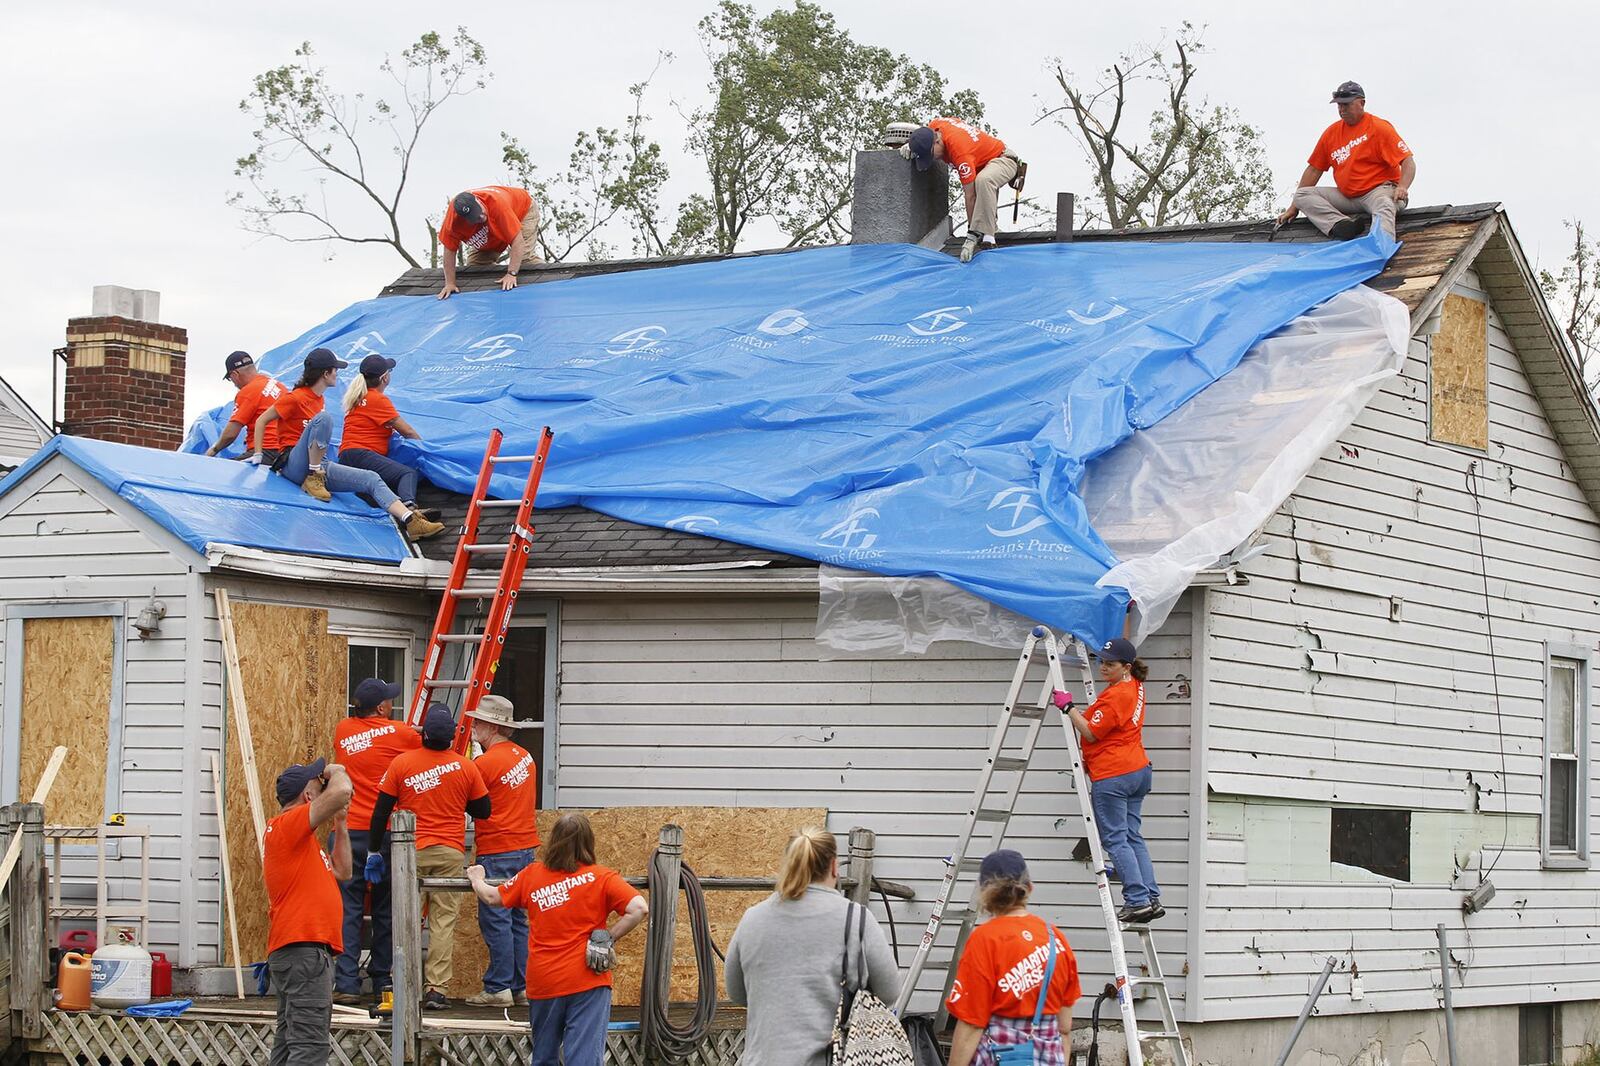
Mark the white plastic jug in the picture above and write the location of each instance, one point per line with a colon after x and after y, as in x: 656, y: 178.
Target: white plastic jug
x: 121, y: 971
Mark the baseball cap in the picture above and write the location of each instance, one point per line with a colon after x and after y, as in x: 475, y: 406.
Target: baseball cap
x: 375, y: 366
x: 1118, y: 651
x: 373, y: 691
x: 921, y: 145
x: 1350, y: 90
x: 438, y: 725
x: 1003, y: 865
x: 469, y: 208
x: 294, y: 780
x: 235, y: 361
x: 324, y: 359
x: 496, y: 710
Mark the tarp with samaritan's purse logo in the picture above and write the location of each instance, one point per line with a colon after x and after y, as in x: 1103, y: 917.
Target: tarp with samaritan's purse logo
x: 880, y: 407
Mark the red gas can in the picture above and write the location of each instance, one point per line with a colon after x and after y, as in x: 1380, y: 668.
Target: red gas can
x: 160, y: 975
x: 82, y: 940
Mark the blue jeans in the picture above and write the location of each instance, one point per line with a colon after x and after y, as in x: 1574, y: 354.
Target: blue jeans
x: 577, y: 1021
x: 347, y: 976
x: 398, y: 476
x: 505, y: 929
x: 1117, y: 802
x: 340, y: 478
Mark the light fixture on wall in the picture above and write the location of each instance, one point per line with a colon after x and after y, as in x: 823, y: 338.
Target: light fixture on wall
x: 150, y: 615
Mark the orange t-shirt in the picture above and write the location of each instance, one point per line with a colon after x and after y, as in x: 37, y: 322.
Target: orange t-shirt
x: 1003, y: 966
x: 437, y: 786
x: 250, y: 404
x: 563, y: 909
x: 1362, y: 157
x: 295, y: 408
x: 365, y: 747
x: 512, y: 777
x: 1117, y: 718
x: 367, y: 424
x: 967, y: 148
x: 304, y: 902
x: 504, y: 207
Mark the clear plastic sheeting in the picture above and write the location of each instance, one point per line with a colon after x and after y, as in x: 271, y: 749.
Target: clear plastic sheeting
x: 1170, y: 500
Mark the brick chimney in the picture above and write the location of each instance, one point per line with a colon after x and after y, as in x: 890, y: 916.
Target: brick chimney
x: 124, y: 379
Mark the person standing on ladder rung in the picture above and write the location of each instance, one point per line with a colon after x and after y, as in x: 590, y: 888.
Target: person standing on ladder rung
x: 1120, y: 776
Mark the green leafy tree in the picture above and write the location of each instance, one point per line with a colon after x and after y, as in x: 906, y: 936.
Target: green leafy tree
x: 336, y: 146
x: 1195, y: 161
x: 1574, y: 295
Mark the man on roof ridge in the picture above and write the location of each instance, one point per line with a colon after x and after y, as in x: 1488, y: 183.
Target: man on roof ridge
x: 982, y: 163
x: 493, y: 221
x: 1373, y: 169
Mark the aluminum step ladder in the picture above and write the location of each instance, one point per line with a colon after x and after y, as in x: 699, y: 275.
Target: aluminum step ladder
x: 467, y: 646
x: 984, y: 830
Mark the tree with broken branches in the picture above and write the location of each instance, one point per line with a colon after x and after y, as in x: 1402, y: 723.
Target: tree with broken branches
x: 1195, y: 161
x: 359, y: 153
x: 1574, y: 293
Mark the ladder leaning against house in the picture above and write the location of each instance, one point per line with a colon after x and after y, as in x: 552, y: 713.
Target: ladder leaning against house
x: 481, y: 637
x: 985, y: 826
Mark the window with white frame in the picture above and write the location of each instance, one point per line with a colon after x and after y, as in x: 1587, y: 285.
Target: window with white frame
x: 381, y: 657
x: 1566, y: 756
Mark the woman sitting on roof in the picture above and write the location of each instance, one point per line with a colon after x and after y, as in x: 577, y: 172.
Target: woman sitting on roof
x: 370, y: 420
x: 303, y: 435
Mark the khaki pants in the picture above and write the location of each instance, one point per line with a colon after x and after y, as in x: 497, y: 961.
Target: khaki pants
x: 440, y: 860
x: 530, y: 242
x: 1324, y: 206
x: 995, y: 175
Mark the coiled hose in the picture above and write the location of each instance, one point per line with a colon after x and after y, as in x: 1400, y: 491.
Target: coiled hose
x: 663, y: 1040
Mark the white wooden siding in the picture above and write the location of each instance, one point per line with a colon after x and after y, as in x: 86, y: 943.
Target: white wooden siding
x: 725, y: 702
x: 1353, y: 669
x: 20, y: 432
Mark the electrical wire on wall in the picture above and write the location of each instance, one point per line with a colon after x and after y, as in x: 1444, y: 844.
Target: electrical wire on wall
x: 1494, y: 670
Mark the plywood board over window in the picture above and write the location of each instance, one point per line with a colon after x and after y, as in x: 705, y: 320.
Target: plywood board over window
x: 67, y: 670
x: 294, y: 674
x: 1458, y: 401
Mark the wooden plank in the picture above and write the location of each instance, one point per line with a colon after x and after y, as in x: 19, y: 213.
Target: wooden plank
x: 227, y: 874
x: 239, y: 713
x: 41, y: 792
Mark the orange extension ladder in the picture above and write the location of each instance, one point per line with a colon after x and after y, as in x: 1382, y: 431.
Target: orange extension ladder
x: 473, y: 671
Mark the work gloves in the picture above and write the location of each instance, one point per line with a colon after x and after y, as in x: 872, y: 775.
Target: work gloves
x: 254, y: 458
x: 1062, y: 700
x: 377, y: 870
x: 601, y: 955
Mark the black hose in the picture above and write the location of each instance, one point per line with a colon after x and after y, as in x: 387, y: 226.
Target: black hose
x: 894, y: 934
x: 663, y: 1040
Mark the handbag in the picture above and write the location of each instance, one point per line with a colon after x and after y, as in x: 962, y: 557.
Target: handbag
x: 1023, y: 1054
x: 865, y: 1030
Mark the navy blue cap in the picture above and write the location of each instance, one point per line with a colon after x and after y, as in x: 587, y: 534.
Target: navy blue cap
x: 1118, y: 651
x: 375, y: 366
x: 438, y: 725
x: 1350, y: 90
x: 469, y: 208
x: 235, y: 361
x: 921, y: 145
x: 1003, y: 865
x: 294, y: 780
x: 373, y: 691
x: 324, y: 359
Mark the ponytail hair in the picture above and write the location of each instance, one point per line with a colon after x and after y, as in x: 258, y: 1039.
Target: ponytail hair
x: 308, y: 377
x: 999, y: 895
x: 1139, y: 670
x: 809, y: 857
x: 355, y: 393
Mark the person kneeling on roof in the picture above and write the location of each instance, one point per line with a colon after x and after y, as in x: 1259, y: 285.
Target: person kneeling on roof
x: 983, y: 164
x: 491, y: 222
x: 304, y: 433
x: 370, y: 421
x: 257, y: 392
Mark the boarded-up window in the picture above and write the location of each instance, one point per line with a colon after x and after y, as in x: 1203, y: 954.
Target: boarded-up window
x: 1458, y: 400
x: 67, y: 668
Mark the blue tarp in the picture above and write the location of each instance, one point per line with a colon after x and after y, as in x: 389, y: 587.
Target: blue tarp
x: 216, y: 501
x: 878, y: 407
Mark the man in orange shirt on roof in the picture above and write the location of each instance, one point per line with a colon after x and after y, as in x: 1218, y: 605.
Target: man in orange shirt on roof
x: 257, y: 392
x: 1373, y: 169
x: 490, y: 222
x: 982, y: 163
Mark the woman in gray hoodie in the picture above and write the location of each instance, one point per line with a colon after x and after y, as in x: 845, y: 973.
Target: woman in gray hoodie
x: 784, y: 960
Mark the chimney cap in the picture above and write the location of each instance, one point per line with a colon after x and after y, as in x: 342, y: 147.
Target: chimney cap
x: 139, y: 305
x: 897, y: 133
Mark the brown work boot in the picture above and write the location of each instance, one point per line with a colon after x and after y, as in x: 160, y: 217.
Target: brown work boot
x: 316, y: 486
x: 419, y: 527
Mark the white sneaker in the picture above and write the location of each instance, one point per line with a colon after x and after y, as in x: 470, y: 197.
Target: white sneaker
x: 501, y: 998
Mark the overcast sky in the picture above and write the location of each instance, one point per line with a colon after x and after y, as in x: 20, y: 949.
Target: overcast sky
x: 122, y: 124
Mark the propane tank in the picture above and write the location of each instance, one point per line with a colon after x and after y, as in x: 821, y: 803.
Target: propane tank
x: 121, y: 971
